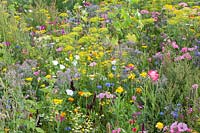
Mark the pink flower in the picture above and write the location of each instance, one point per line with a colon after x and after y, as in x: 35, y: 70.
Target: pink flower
x: 59, y: 49
x: 182, y: 127
x: 174, y: 45
x: 195, y: 86
x: 36, y: 73
x: 184, y: 50
x: 144, y: 12
x: 183, y: 4
x: 187, y: 56
x: 93, y: 64
x: 116, y: 131
x: 153, y: 75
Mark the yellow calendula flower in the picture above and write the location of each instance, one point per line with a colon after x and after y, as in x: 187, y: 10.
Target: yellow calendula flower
x: 159, y: 125
x: 29, y: 79
x: 110, y: 75
x: 143, y: 74
x: 48, y: 76
x: 138, y: 90
x: 131, y: 76
x: 57, y: 101
x: 119, y: 89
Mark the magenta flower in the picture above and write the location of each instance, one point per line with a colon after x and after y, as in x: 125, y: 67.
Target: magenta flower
x: 153, y: 75
x: 59, y: 49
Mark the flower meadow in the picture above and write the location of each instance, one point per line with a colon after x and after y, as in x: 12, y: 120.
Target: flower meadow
x: 100, y: 66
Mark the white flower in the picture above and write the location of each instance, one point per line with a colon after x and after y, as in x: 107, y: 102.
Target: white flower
x: 62, y: 67
x: 69, y: 92
x: 66, y: 59
x: 77, y: 57
x: 55, y: 62
x: 113, y: 62
x: 74, y: 62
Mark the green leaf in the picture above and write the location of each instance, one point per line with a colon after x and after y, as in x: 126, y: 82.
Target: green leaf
x: 39, y: 130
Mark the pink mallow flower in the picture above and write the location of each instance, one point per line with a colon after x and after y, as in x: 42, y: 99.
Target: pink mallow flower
x: 116, y: 131
x: 153, y: 75
x: 174, y: 45
x: 182, y: 127
x: 184, y: 50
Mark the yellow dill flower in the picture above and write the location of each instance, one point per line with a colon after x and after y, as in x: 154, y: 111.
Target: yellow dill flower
x: 43, y: 85
x: 6, y: 130
x: 144, y: 46
x: 57, y: 101
x: 119, y: 89
x: 29, y: 79
x: 143, y: 74
x: 138, y: 90
x: 87, y: 94
x: 131, y: 76
x: 159, y: 125
x: 63, y: 14
x: 48, y: 76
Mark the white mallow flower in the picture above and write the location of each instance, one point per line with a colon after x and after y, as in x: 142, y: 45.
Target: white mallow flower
x: 74, y: 62
x: 62, y: 67
x: 113, y: 62
x: 69, y: 92
x: 55, y: 62
x: 77, y: 57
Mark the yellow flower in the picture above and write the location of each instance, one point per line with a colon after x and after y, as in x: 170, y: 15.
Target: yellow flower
x: 159, y: 125
x: 119, y: 89
x: 138, y: 90
x: 71, y: 99
x: 29, y: 79
x: 143, y: 74
x: 110, y: 75
x: 42, y: 86
x: 48, y: 76
x: 144, y: 46
x: 57, y: 101
x: 63, y: 14
x: 6, y: 130
x: 131, y: 76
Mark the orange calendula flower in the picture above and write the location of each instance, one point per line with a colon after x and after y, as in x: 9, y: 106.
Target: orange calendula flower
x: 63, y: 114
x: 71, y: 99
